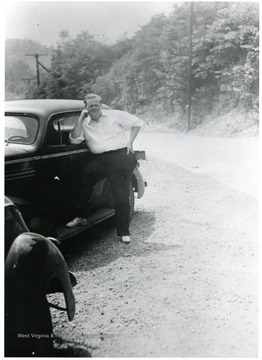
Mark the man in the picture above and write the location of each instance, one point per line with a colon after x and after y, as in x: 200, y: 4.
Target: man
x: 112, y: 157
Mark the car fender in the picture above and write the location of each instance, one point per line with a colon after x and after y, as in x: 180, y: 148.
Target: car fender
x: 32, y: 265
x: 138, y: 182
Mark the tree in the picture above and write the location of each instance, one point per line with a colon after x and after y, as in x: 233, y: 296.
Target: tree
x: 229, y: 46
x: 151, y: 68
x: 76, y: 64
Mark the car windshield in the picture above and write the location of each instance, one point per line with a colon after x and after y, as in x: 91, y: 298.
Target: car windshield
x: 20, y: 129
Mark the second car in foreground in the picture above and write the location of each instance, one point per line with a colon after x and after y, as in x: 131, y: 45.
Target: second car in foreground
x: 34, y: 268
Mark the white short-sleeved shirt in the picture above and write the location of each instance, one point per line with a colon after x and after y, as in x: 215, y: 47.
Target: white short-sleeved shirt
x: 108, y: 133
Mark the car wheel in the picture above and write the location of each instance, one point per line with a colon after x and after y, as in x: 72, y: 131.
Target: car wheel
x: 43, y: 345
x: 29, y: 333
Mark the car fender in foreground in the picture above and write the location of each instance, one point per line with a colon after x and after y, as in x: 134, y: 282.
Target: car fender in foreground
x: 34, y: 266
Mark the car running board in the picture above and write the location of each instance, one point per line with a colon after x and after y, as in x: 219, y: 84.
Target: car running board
x: 96, y: 217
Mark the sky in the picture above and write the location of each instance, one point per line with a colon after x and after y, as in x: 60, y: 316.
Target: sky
x: 108, y: 21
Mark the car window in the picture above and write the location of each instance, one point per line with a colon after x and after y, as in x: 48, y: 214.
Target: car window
x: 20, y: 129
x: 60, y: 127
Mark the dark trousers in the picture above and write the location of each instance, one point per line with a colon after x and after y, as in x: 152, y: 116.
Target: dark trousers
x: 118, y: 167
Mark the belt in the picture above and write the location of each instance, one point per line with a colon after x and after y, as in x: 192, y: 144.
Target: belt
x: 115, y: 151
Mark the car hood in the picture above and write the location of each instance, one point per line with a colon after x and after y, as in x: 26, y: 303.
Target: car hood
x: 16, y: 152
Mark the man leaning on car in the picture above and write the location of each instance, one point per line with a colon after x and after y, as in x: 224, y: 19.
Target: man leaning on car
x: 112, y: 156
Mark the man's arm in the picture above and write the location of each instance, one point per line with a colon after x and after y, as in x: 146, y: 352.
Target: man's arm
x: 133, y: 134
x: 77, y: 130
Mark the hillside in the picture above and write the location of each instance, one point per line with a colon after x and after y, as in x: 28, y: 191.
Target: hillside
x: 235, y: 123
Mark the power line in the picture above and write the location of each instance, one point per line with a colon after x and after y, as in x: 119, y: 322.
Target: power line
x: 38, y: 63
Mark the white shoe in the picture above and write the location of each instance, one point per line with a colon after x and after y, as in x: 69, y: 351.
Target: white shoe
x: 126, y: 239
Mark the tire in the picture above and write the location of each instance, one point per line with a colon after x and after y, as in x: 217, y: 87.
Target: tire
x: 43, y: 346
x: 29, y: 334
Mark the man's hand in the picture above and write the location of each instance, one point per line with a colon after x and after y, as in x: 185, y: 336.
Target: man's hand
x: 83, y: 115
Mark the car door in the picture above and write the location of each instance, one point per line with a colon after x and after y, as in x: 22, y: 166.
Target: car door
x: 21, y: 150
x: 63, y: 163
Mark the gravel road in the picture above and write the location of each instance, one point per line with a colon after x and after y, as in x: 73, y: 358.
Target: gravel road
x: 187, y: 284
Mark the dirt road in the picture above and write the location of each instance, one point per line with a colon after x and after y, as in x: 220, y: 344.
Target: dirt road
x: 187, y: 284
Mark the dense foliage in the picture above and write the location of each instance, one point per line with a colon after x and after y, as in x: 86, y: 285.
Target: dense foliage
x: 225, y: 60
x: 150, y: 70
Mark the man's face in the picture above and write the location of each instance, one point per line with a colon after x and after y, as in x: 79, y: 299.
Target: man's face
x: 94, y: 108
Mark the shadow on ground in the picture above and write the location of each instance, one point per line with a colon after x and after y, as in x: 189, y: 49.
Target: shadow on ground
x: 100, y: 246
x: 63, y: 348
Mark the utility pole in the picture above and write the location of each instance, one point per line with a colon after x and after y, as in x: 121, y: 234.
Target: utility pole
x: 189, y: 67
x: 36, y: 56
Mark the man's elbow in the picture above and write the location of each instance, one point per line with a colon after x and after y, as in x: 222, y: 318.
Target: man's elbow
x: 74, y: 140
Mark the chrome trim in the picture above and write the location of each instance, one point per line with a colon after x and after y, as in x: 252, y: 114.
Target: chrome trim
x: 19, y: 174
x: 8, y: 178
x: 73, y: 152
x: 18, y: 161
x: 33, y: 158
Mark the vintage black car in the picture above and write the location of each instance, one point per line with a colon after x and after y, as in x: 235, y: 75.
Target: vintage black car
x: 34, y: 267
x: 42, y: 167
